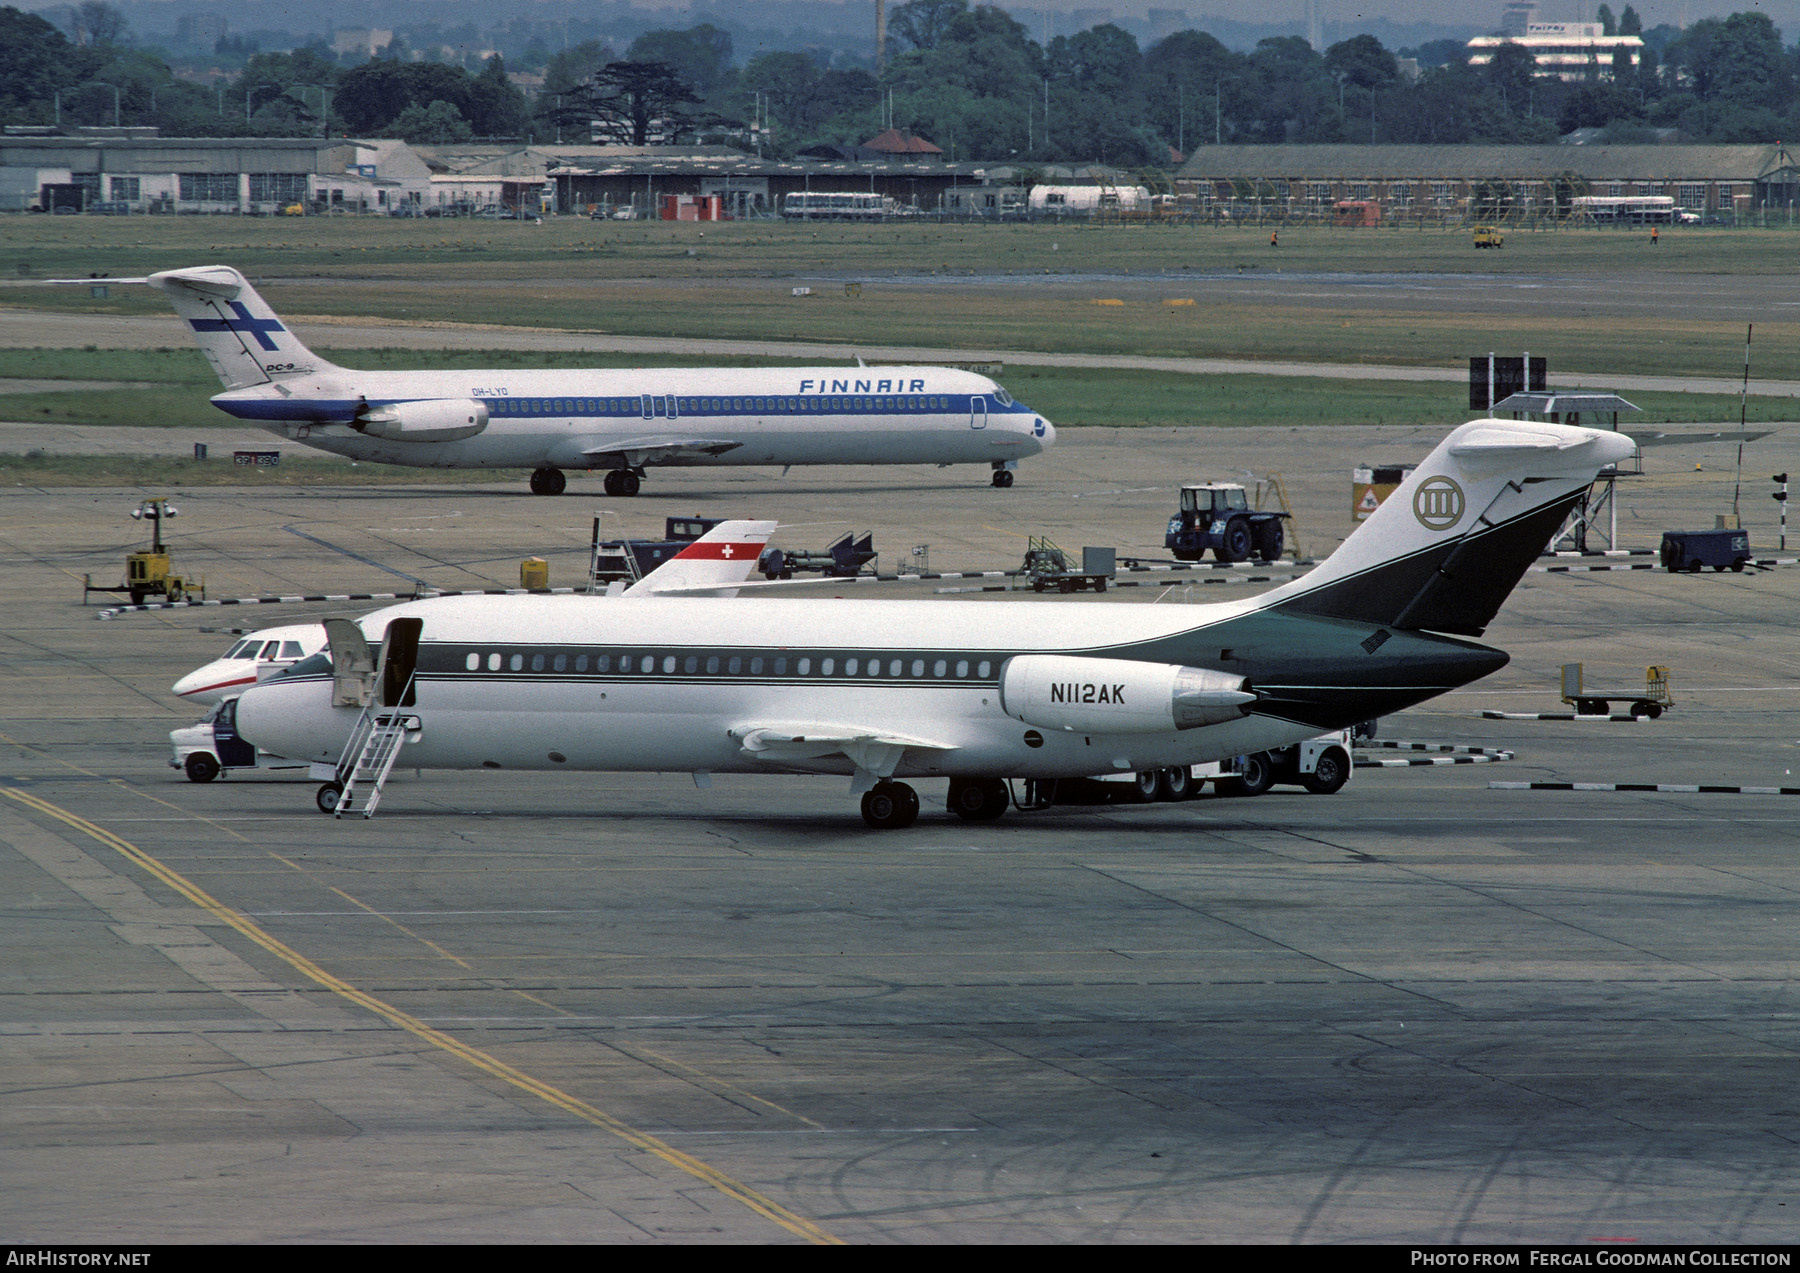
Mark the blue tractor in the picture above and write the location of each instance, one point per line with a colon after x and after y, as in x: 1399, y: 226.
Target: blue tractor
x: 1218, y: 516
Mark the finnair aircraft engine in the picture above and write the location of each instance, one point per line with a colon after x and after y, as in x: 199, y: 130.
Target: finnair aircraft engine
x: 443, y: 420
x: 617, y: 421
x: 1116, y: 696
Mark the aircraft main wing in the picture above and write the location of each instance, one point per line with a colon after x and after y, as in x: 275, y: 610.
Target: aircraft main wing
x: 874, y: 752
x: 636, y: 452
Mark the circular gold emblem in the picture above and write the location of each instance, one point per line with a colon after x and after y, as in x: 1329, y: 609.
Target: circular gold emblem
x: 1438, y: 503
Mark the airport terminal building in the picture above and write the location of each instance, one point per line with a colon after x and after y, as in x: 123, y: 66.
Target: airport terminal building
x: 129, y: 170
x: 1431, y: 182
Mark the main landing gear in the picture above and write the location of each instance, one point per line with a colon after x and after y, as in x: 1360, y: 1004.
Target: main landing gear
x: 978, y: 799
x: 890, y: 806
x: 621, y: 482
x: 548, y: 482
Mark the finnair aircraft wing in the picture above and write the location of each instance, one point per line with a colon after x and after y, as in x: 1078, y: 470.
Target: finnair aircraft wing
x: 874, y: 752
x: 637, y: 452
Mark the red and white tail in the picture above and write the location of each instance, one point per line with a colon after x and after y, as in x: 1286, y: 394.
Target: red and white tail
x: 712, y: 565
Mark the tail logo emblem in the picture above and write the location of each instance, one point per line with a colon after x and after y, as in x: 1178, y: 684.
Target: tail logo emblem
x: 245, y: 322
x: 1438, y: 503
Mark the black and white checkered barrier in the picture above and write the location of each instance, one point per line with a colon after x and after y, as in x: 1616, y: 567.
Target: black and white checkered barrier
x: 1445, y: 754
x: 112, y: 611
x: 1674, y: 788
x: 1617, y: 717
x: 1761, y: 563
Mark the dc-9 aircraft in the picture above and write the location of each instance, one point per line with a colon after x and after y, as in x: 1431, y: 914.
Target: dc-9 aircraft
x: 974, y: 692
x: 622, y: 421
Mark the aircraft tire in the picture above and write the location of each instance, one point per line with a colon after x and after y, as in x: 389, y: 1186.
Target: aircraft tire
x: 1175, y: 783
x: 978, y: 799
x: 328, y: 796
x: 1330, y: 773
x: 1144, y: 786
x: 548, y: 482
x: 622, y: 482
x: 201, y: 766
x: 890, y: 806
x: 1003, y: 478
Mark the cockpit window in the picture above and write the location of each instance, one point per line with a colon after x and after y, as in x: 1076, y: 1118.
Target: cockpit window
x: 1005, y: 397
x: 268, y: 650
x: 312, y: 665
x: 290, y: 649
x: 239, y: 650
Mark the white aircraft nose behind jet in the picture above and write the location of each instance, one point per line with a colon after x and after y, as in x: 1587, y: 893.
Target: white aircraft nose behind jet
x: 620, y: 421
x: 251, y: 658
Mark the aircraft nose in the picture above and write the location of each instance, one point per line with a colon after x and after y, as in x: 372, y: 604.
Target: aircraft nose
x: 1041, y: 432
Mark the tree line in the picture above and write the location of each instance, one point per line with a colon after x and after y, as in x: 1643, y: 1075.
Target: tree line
x: 969, y: 77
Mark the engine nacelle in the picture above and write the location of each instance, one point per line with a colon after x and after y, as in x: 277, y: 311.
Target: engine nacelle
x: 434, y: 420
x: 1118, y: 696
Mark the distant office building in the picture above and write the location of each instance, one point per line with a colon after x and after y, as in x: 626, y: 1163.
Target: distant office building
x: 361, y: 41
x: 1567, y: 50
x: 1518, y: 17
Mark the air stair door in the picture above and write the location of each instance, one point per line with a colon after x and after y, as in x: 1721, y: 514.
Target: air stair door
x: 978, y: 412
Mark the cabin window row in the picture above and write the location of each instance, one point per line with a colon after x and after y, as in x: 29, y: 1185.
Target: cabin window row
x: 859, y: 665
x: 707, y: 406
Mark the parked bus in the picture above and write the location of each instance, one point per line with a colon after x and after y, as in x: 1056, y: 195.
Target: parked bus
x: 838, y: 205
x: 1643, y: 209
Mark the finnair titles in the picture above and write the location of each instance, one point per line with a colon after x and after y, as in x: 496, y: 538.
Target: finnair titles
x: 622, y: 421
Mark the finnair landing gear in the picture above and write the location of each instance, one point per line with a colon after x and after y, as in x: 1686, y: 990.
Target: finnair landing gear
x: 1002, y: 474
x: 890, y: 806
x: 621, y: 482
x: 548, y: 482
x: 978, y: 799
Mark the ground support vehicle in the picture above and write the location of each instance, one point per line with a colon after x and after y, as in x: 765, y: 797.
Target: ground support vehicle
x: 1692, y: 549
x: 844, y: 559
x: 1655, y: 699
x: 206, y: 750
x: 1047, y: 566
x: 1486, y: 236
x: 148, y: 573
x: 1218, y: 517
x: 1322, y: 765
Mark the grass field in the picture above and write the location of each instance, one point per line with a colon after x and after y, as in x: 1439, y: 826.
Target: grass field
x: 734, y: 280
x: 639, y: 280
x: 1069, y: 396
x: 573, y: 247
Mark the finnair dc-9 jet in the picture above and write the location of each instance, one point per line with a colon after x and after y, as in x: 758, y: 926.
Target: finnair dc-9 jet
x: 975, y: 693
x: 621, y: 421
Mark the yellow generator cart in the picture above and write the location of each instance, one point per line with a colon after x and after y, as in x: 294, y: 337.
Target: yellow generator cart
x: 1486, y: 236
x: 148, y: 573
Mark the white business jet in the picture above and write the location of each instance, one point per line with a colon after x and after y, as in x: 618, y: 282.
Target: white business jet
x: 622, y: 421
x: 710, y: 566
x: 975, y: 692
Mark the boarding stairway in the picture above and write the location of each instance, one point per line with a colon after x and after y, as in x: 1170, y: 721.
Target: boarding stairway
x: 369, y: 756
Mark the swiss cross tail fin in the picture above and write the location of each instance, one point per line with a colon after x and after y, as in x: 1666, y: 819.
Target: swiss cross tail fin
x: 1444, y: 550
x: 710, y: 566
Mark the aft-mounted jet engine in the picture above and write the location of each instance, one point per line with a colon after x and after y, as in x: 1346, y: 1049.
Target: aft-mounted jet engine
x: 435, y: 420
x: 1118, y: 696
